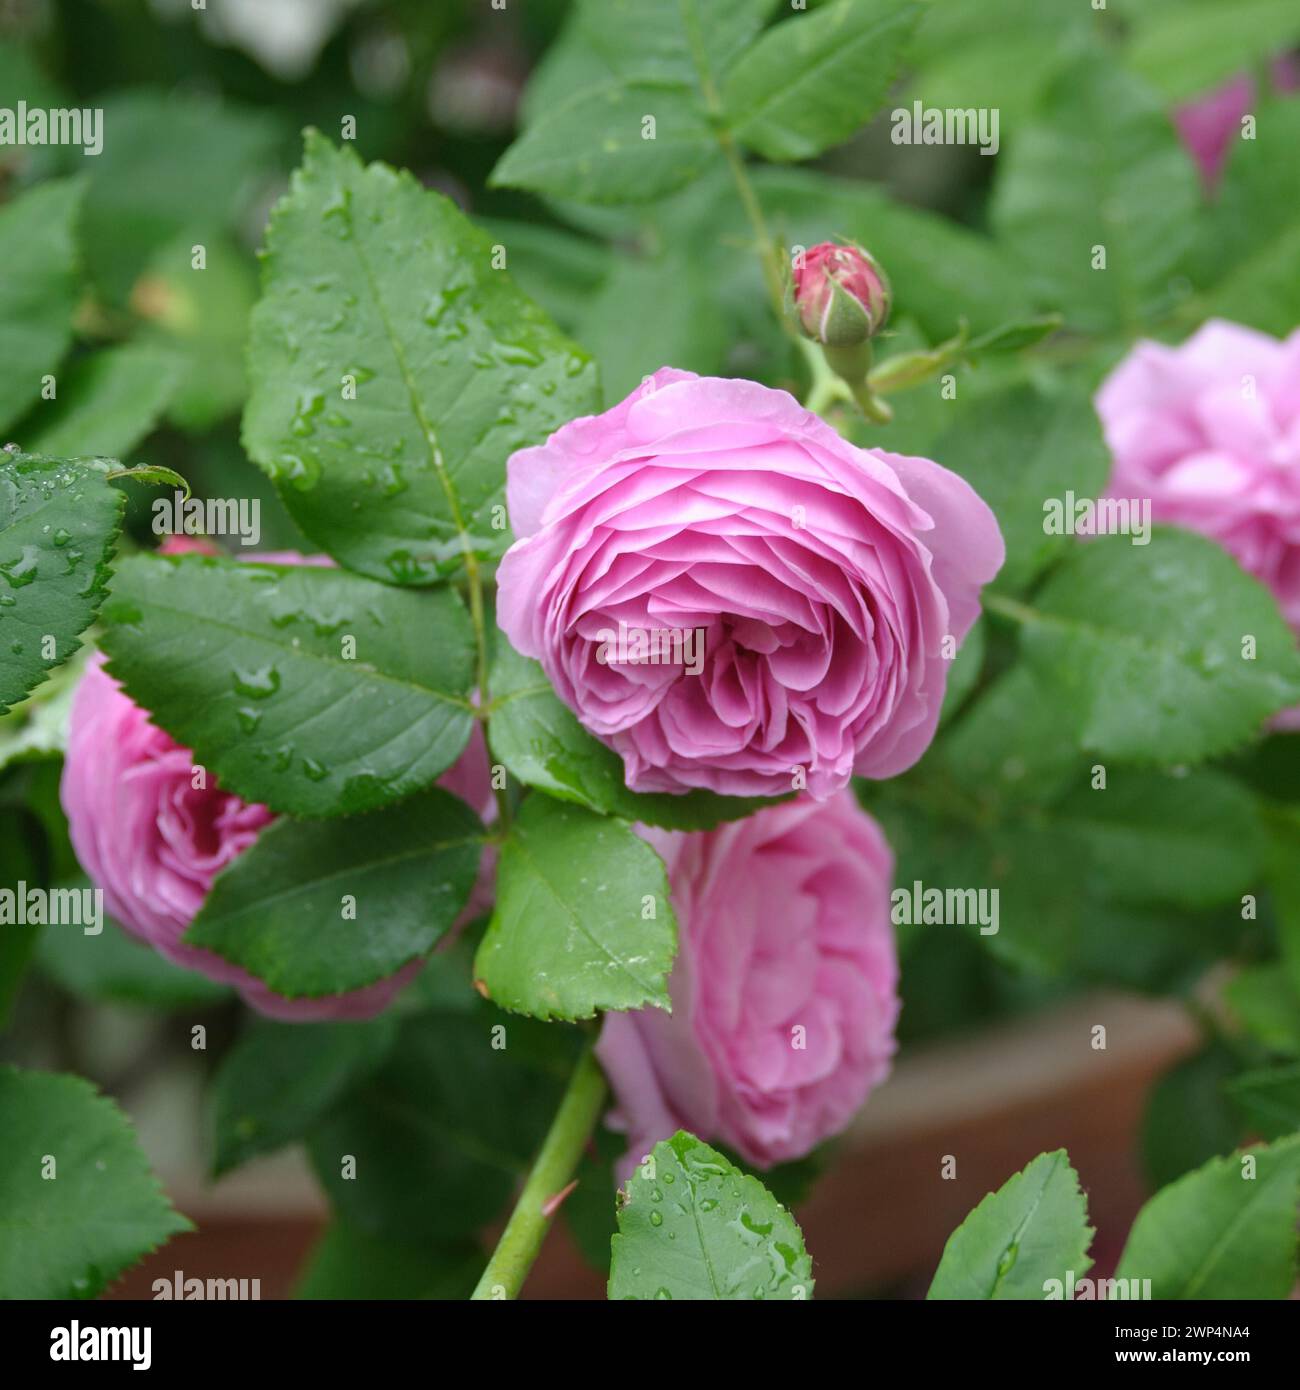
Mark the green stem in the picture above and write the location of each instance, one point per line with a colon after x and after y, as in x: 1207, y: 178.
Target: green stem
x: 767, y: 253
x: 551, y: 1172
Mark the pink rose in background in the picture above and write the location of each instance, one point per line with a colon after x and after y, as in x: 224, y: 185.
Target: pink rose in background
x: 154, y: 843
x: 1209, y: 124
x: 783, y: 926
x: 1210, y: 432
x: 821, y: 580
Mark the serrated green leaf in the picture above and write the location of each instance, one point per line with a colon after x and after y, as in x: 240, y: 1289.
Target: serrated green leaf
x: 1141, y: 648
x: 107, y: 403
x: 1101, y: 166
x: 281, y: 1079
x: 1019, y: 449
x: 403, y: 875
x: 58, y: 531
x: 264, y: 694
x: 1218, y: 1233
x: 453, y: 369
x: 540, y: 740
x: 700, y: 1228
x: 38, y: 291
x: 1269, y: 1099
x: 70, y: 1235
x: 1032, y: 1230
x: 571, y: 934
x: 596, y: 147
x: 811, y: 81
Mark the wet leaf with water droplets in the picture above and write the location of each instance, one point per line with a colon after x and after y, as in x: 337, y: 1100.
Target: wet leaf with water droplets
x: 716, y: 1233
x: 1032, y: 1230
x: 249, y: 666
x: 58, y: 529
x: 582, y: 918
x: 395, y: 366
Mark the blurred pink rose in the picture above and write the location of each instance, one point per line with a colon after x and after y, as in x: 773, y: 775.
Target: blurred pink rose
x: 818, y: 579
x: 154, y: 843
x: 784, y: 989
x: 1210, y: 123
x: 1210, y: 432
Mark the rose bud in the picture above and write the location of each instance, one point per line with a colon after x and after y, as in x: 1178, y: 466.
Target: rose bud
x: 841, y: 296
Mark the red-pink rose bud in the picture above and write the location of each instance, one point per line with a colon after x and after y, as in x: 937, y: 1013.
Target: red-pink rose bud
x: 841, y: 296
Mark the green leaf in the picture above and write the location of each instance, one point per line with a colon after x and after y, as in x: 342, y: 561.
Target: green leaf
x: 453, y: 367
x: 38, y: 291
x: 347, y: 1264
x: 540, y: 740
x: 1250, y: 239
x: 1141, y: 648
x: 114, y: 967
x: 315, y: 908
x: 1013, y: 337
x: 200, y: 318
x: 700, y: 1228
x: 679, y: 319
x: 596, y: 147
x: 1218, y: 1233
x: 58, y: 531
x: 1268, y: 1005
x: 264, y: 693
x: 1184, y: 50
x: 1032, y: 1230
x: 570, y: 934
x: 1194, y: 840
x: 441, y: 1132
x: 1188, y: 1119
x: 1269, y: 1099
x: 1019, y: 449
x: 1101, y: 166
x: 147, y: 191
x: 71, y: 1234
x: 812, y: 80
x: 107, y: 403
x: 281, y: 1079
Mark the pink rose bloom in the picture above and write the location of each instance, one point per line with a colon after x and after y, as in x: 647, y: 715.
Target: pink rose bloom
x: 154, y: 843
x: 1211, y: 454
x: 821, y: 580
x: 1209, y: 124
x: 783, y: 926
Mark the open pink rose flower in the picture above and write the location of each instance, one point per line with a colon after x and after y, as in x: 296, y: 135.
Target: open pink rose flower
x: 1210, y: 432
x: 154, y: 842
x: 797, y: 590
x: 784, y: 989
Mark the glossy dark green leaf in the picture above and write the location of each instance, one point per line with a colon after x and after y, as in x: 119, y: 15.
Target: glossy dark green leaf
x: 249, y: 666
